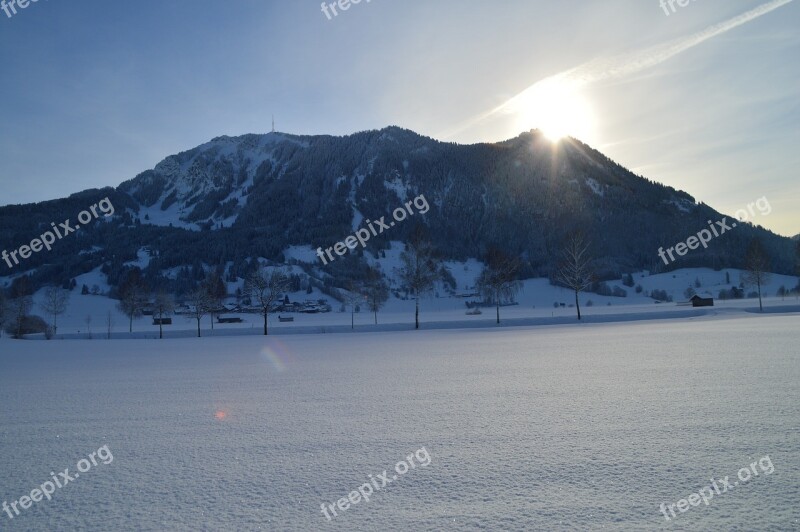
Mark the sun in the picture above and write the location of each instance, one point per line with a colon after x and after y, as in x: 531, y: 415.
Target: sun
x: 556, y: 109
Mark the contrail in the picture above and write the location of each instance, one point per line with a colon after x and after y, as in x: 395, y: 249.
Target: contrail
x: 622, y: 65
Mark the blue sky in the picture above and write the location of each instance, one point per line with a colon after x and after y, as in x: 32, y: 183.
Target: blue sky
x: 96, y: 91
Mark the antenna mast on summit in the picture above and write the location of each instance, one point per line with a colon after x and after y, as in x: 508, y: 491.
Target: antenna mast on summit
x: 273, y: 123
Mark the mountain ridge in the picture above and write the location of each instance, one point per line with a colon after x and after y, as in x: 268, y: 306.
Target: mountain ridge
x: 231, y: 199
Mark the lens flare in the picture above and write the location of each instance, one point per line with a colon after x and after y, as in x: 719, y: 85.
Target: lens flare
x: 278, y: 355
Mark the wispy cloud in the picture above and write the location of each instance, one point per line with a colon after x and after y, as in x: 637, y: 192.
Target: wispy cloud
x: 619, y: 66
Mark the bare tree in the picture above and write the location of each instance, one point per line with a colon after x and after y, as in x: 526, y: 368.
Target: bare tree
x: 88, y: 321
x: 20, y: 308
x: 352, y: 297
x: 199, y: 303
x: 55, y: 303
x: 265, y: 288
x: 499, y: 281
x: 376, y: 292
x: 163, y: 306
x: 757, y: 267
x: 132, y: 297
x: 575, y: 270
x: 216, y: 291
x: 420, y: 271
x: 109, y: 324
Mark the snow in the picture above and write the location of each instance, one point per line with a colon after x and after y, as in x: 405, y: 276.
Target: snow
x: 188, y: 178
x: 397, y: 186
x: 93, y: 249
x: 683, y: 205
x: 358, y: 219
x: 91, y: 279
x: 170, y: 217
x: 142, y: 259
x: 466, y: 275
x: 596, y: 187
x: 305, y: 254
x: 567, y: 427
x: 535, y: 302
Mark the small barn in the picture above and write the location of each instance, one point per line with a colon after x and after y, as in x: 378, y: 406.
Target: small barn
x: 700, y: 301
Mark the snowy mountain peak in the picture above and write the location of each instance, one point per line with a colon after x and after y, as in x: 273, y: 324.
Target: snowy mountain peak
x: 206, y: 186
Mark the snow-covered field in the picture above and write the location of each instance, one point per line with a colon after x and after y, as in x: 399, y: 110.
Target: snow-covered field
x: 555, y: 427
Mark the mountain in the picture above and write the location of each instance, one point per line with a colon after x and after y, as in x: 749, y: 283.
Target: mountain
x: 235, y: 198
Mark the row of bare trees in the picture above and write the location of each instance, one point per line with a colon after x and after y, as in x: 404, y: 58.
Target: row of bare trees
x: 373, y: 292
x: 499, y: 281
x: 16, y: 310
x: 134, y: 298
x: 420, y: 270
x: 205, y: 300
x: 575, y: 271
x: 266, y: 288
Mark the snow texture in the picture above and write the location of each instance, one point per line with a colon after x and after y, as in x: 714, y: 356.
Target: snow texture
x: 571, y: 427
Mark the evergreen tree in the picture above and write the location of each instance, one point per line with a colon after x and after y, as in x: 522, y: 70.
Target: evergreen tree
x: 216, y: 292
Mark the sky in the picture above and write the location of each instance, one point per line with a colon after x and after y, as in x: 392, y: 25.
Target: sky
x: 703, y: 97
